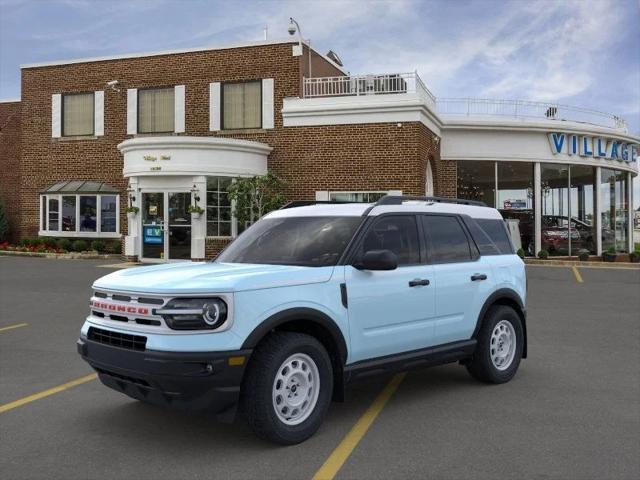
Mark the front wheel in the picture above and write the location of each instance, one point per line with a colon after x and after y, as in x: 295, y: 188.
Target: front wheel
x: 499, y: 348
x: 288, y: 387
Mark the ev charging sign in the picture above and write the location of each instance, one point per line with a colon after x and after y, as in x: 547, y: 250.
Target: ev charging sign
x: 595, y: 147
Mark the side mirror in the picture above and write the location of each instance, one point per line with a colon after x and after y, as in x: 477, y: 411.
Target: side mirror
x: 377, y: 260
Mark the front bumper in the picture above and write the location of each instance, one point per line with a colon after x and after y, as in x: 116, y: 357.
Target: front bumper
x: 189, y: 381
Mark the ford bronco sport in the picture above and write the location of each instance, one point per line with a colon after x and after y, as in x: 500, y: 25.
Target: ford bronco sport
x: 308, y: 299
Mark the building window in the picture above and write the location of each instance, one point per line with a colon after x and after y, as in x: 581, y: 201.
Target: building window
x: 477, y: 181
x: 78, y: 114
x: 515, y: 201
x: 219, y: 215
x: 242, y: 105
x: 156, y: 110
x: 75, y: 215
x: 614, y: 210
x: 356, y: 197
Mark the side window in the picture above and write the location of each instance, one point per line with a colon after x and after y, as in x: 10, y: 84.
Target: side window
x: 497, y: 232
x: 396, y: 233
x: 446, y: 239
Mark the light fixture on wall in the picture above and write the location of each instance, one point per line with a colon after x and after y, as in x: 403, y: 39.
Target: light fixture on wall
x: 132, y: 197
x: 195, y: 193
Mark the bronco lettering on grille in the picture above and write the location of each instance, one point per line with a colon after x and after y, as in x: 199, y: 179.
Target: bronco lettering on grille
x: 111, y: 307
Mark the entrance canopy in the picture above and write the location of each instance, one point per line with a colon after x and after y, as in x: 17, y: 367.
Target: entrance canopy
x: 80, y: 186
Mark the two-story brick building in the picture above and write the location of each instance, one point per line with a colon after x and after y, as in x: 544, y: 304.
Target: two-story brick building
x: 160, y: 131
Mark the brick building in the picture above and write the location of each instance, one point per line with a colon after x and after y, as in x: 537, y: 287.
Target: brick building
x: 161, y: 131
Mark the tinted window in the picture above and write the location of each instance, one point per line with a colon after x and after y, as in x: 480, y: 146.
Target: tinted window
x: 304, y: 241
x: 396, y: 233
x: 446, y: 239
x: 497, y: 232
x: 481, y: 238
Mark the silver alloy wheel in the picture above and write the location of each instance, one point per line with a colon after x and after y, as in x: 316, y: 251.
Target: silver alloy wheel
x: 296, y: 389
x: 503, y: 345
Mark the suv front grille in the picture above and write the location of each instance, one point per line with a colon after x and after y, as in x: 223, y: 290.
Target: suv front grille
x: 116, y: 339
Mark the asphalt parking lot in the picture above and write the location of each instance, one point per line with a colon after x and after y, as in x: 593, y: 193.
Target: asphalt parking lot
x: 572, y: 411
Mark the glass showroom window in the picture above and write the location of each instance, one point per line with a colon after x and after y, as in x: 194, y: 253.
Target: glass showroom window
x: 477, y: 181
x: 555, y: 208
x: 156, y: 110
x: 582, y: 207
x: 219, y: 218
x: 614, y: 210
x: 242, y: 105
x: 515, y: 201
x: 78, y: 215
x: 358, y: 197
x: 78, y: 114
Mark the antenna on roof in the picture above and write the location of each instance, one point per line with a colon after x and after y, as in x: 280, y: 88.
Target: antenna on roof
x: 266, y: 31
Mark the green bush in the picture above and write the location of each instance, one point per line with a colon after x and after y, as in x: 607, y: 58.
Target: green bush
x: 543, y: 254
x: 520, y: 253
x: 115, y: 247
x: 65, y: 244
x: 52, y: 243
x: 79, y: 246
x: 4, y: 223
x: 611, y: 250
x: 583, y: 255
x: 98, y: 246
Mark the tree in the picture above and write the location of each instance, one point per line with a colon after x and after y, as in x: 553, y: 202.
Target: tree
x: 256, y: 196
x: 4, y: 223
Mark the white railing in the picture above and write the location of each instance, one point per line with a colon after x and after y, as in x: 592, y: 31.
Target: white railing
x: 478, y: 107
x: 356, y: 85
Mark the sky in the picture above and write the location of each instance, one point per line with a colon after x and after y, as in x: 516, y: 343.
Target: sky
x: 577, y: 52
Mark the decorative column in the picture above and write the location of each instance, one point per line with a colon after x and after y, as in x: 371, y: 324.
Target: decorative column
x: 132, y: 239
x: 199, y: 222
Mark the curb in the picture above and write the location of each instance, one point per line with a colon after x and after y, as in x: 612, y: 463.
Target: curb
x: 62, y: 256
x: 576, y: 263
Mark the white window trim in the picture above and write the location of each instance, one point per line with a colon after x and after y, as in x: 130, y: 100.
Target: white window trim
x: 77, y: 233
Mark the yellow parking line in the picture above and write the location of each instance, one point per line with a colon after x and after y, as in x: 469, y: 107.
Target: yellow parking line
x: 334, y: 463
x: 11, y: 327
x: 37, y: 396
x: 577, y: 274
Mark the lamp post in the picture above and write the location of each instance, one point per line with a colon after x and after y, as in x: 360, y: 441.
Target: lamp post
x: 295, y: 27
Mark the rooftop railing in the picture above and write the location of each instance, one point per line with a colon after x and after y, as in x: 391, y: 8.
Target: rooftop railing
x: 358, y: 85
x: 478, y: 107
x: 399, y: 83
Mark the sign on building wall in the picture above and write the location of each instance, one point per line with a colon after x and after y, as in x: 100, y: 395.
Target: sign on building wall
x: 595, y: 147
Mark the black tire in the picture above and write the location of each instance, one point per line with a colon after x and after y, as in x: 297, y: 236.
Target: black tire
x: 256, y: 398
x: 481, y: 366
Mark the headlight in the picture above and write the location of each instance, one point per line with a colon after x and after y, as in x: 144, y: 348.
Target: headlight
x: 194, y: 313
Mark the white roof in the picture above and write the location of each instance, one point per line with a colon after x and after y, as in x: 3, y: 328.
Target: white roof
x: 357, y: 209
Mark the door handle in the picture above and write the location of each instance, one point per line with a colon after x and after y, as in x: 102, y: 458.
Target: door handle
x: 478, y: 276
x: 419, y: 282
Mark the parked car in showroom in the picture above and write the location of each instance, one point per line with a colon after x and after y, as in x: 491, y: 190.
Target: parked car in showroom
x: 308, y: 299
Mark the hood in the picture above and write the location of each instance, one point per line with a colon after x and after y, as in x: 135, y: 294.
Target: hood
x: 208, y: 277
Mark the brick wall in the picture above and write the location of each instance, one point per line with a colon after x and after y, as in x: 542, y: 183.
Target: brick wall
x: 379, y: 156
x: 10, y: 162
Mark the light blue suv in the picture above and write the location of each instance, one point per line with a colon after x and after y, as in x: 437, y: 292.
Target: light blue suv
x: 308, y: 299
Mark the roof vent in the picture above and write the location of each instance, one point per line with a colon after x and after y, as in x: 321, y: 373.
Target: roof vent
x: 333, y: 56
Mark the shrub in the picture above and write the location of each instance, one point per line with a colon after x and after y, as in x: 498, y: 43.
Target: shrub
x: 635, y: 256
x: 65, y: 244
x: 115, y: 247
x: 611, y: 250
x: 79, y: 246
x: 520, y: 253
x: 543, y: 254
x: 98, y: 246
x: 583, y: 255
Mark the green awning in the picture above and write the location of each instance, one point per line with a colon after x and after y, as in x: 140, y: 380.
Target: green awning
x: 80, y: 186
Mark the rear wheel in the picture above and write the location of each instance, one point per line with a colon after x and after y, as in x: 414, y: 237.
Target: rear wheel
x: 499, y: 349
x: 288, y: 387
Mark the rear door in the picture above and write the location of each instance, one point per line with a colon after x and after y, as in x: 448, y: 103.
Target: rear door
x: 462, y: 278
x: 391, y: 311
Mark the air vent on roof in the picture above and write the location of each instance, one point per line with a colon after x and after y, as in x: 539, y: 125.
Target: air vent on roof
x: 333, y: 56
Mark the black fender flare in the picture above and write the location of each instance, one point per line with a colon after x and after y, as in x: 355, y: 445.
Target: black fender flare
x: 512, y: 297
x: 299, y: 314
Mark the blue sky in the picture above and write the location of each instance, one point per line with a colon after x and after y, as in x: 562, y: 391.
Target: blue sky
x: 582, y: 52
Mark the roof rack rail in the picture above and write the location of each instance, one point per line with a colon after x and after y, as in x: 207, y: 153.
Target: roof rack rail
x: 306, y: 203
x: 399, y: 199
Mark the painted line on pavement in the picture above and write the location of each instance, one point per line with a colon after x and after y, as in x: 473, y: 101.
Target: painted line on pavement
x: 576, y: 273
x: 51, y: 391
x: 119, y: 265
x: 11, y: 327
x: 339, y: 456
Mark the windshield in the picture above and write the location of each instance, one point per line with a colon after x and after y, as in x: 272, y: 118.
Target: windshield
x: 304, y: 241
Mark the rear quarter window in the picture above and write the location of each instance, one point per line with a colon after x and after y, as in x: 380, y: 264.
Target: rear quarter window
x: 496, y: 231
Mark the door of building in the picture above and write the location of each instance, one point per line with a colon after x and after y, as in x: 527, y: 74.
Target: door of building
x: 166, y: 226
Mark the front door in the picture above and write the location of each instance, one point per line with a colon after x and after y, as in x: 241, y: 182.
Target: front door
x: 391, y: 311
x: 166, y: 226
